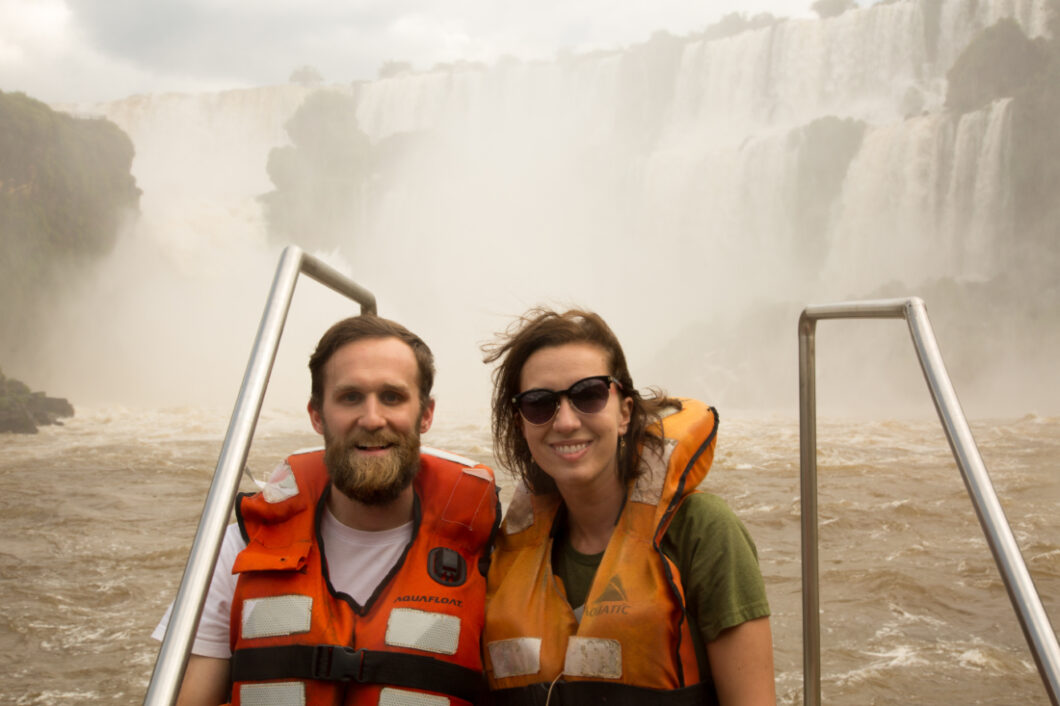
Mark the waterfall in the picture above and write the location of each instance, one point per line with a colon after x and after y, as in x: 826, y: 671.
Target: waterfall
x: 925, y: 198
x: 671, y: 186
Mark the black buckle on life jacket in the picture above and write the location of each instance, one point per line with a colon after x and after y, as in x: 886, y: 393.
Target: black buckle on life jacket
x: 337, y: 663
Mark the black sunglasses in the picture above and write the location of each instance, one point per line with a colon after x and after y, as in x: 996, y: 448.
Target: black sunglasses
x: 588, y: 396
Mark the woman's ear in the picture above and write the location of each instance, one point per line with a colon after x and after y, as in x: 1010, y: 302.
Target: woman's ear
x: 626, y: 415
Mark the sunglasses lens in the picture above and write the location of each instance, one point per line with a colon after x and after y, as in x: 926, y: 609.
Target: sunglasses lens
x: 590, y: 395
x: 538, y: 406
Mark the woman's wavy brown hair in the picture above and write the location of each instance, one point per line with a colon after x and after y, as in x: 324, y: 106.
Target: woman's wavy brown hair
x: 544, y: 328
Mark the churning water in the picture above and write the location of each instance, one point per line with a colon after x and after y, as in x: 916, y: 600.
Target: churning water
x: 97, y: 517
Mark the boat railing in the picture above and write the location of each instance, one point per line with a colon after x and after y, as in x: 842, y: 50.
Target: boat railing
x: 187, y: 607
x: 1025, y: 600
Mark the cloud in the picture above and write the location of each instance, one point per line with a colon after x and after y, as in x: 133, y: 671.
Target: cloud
x: 103, y: 49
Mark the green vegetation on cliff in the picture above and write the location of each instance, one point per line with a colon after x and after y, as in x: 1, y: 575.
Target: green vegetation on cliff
x: 65, y: 190
x: 65, y: 182
x: 320, y: 176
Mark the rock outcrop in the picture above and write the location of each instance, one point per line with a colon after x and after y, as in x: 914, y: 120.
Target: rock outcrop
x: 22, y: 410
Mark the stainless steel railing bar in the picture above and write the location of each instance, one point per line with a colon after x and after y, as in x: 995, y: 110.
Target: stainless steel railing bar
x: 330, y: 277
x: 1025, y: 600
x: 187, y: 607
x: 1030, y: 612
x: 871, y: 309
x: 811, y: 601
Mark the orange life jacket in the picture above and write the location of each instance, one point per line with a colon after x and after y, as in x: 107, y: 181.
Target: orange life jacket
x: 294, y: 640
x: 633, y: 643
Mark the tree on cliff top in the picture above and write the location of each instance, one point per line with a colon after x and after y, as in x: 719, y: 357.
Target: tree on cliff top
x: 64, y: 181
x: 306, y: 76
x: 65, y: 190
x: 319, y: 177
x: 832, y: 8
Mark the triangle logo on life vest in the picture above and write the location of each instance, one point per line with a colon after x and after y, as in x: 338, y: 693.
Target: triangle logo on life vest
x: 614, y: 592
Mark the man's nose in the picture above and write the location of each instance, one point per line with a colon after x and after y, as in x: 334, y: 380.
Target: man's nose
x: 373, y: 414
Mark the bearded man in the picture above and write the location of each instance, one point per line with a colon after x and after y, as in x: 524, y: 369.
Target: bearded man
x: 357, y: 575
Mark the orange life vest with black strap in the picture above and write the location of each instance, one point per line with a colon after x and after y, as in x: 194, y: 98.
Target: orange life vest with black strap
x: 633, y: 644
x: 296, y: 641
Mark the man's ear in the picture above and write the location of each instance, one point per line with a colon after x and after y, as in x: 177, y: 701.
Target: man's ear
x: 315, y: 417
x: 427, y: 417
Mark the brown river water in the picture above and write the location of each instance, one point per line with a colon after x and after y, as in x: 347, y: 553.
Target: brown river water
x: 97, y: 517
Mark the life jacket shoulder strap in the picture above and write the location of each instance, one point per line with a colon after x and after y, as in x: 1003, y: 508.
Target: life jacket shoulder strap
x: 345, y: 664
x: 462, y: 496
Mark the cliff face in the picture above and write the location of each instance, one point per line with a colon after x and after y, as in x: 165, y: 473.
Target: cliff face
x: 66, y: 190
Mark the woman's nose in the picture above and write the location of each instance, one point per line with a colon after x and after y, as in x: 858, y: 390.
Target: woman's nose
x: 566, y: 416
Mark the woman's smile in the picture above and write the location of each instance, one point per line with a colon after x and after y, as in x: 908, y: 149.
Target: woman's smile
x: 570, y: 450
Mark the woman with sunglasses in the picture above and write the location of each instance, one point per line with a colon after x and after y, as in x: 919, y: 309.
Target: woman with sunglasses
x: 613, y: 580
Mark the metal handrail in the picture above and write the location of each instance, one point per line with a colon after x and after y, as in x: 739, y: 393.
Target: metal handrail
x: 173, y: 654
x: 1025, y: 600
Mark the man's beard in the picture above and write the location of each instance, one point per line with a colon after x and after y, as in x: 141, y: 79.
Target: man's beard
x: 373, y: 480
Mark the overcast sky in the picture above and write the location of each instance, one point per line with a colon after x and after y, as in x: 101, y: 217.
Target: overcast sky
x: 74, y: 50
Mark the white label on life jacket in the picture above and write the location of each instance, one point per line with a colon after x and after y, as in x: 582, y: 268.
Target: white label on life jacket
x: 289, y: 693
x: 423, y: 630
x: 515, y: 656
x: 520, y: 515
x: 649, y: 485
x: 399, y: 697
x: 281, y: 484
x: 593, y: 657
x: 276, y: 615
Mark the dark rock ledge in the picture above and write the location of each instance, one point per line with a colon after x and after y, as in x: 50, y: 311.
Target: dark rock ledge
x: 22, y: 411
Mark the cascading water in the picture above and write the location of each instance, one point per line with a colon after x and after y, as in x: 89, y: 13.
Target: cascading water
x: 678, y: 187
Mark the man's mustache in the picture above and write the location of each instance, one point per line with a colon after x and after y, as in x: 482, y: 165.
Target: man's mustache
x: 362, y: 438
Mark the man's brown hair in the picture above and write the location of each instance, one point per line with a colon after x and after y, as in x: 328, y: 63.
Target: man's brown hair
x: 363, y: 327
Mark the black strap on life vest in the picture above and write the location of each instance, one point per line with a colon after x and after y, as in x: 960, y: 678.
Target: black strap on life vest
x: 338, y: 663
x: 578, y: 693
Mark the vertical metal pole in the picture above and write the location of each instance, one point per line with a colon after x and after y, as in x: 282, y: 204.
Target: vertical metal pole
x: 1030, y: 613
x: 811, y: 615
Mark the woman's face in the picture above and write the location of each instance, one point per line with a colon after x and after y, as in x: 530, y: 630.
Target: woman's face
x: 574, y: 448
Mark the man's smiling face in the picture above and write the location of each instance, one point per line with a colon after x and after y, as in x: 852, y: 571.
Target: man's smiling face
x: 371, y: 417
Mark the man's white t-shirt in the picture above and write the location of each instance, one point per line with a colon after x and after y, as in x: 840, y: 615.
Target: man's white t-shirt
x: 358, y: 561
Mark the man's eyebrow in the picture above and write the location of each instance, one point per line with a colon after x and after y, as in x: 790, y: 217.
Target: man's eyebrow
x: 384, y: 387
